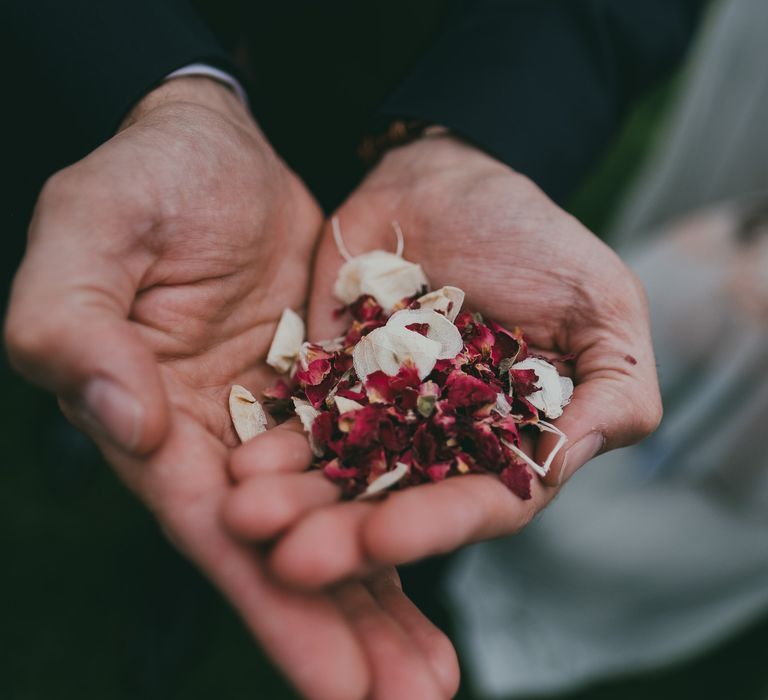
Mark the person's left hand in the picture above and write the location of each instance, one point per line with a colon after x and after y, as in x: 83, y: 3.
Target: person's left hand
x: 470, y: 222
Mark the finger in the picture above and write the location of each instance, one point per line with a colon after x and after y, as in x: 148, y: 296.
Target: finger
x: 611, y: 407
x: 323, y: 548
x: 353, y: 539
x: 67, y: 327
x: 398, y: 668
x: 304, y: 633
x: 184, y: 484
x: 436, y: 518
x: 433, y: 644
x: 284, y: 448
x: 263, y: 506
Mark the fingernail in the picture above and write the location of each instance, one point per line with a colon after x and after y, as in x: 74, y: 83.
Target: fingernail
x: 578, y: 455
x: 108, y: 409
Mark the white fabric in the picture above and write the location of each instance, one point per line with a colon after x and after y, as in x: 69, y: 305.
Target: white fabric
x: 654, y: 553
x: 657, y: 551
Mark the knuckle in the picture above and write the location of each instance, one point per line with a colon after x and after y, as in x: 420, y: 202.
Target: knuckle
x: 26, y: 341
x: 443, y: 656
x: 646, y: 417
x: 636, y: 287
x: 652, y: 416
x: 628, y: 291
x: 57, y: 186
x: 276, y: 511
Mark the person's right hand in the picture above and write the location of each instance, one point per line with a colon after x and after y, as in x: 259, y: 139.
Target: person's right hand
x: 156, y: 271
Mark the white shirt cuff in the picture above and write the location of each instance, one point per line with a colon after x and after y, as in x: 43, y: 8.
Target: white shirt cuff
x: 210, y: 72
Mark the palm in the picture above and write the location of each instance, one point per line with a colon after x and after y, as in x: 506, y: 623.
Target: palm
x: 211, y: 277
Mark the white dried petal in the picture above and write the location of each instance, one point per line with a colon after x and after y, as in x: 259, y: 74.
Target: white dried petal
x: 525, y: 458
x: 332, y: 345
x: 545, y: 427
x: 541, y: 469
x: 307, y: 414
x: 447, y: 300
x: 385, y: 276
x: 363, y: 361
x: 289, y: 336
x: 502, y: 407
x: 402, y: 344
x: 303, y: 352
x: 440, y: 330
x: 390, y: 287
x: 387, y: 348
x: 554, y: 392
x: 247, y: 413
x: 385, y: 481
x: 345, y: 405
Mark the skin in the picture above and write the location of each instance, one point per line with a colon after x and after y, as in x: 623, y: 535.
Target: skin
x: 470, y: 222
x: 156, y: 271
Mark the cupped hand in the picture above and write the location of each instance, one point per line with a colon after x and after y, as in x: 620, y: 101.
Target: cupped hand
x: 473, y: 223
x: 156, y: 271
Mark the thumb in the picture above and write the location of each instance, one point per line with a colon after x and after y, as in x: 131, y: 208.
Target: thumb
x: 604, y: 414
x: 67, y: 330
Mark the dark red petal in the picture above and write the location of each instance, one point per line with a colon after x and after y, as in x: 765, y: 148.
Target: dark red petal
x: 424, y: 445
x: 315, y: 372
x: 394, y: 436
x: 508, y: 429
x: 278, y: 391
x: 365, y: 308
x: 336, y: 472
x: 438, y: 472
x: 486, y: 446
x: 444, y: 417
x: 464, y: 390
x: 523, y: 382
x: 524, y: 411
x: 347, y: 393
x: 379, y: 388
x: 365, y: 427
x: 373, y: 464
x: 507, y: 343
x: 420, y: 328
x: 517, y: 479
x: 317, y: 395
x: 407, y: 377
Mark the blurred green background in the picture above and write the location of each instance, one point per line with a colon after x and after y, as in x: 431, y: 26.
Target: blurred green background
x: 96, y: 605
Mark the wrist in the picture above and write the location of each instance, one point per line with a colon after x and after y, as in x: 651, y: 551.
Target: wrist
x: 438, y: 153
x: 193, y: 89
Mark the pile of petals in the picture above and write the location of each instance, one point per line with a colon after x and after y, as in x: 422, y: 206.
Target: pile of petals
x: 417, y: 390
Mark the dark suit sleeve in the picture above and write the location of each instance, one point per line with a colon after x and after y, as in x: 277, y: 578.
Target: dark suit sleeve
x: 93, y: 59
x: 542, y: 84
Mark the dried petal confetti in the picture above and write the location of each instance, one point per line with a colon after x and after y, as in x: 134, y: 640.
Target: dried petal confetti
x: 553, y: 391
x: 389, y: 347
x: 385, y: 481
x: 446, y: 300
x: 246, y: 412
x: 418, y: 389
x: 433, y: 326
x: 289, y: 335
x: 385, y: 277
